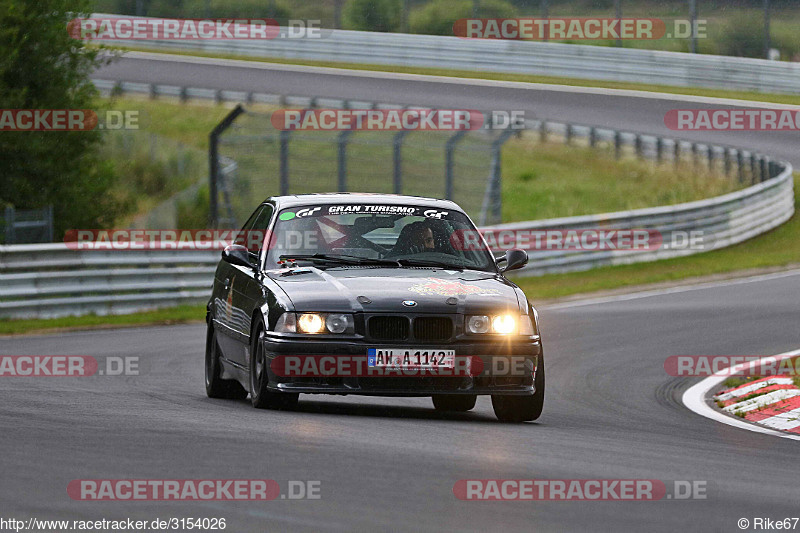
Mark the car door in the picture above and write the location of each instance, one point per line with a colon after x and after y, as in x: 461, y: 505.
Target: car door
x: 232, y: 317
x: 246, y: 283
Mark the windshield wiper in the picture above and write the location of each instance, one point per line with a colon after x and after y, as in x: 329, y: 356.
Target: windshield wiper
x: 342, y: 259
x: 425, y: 263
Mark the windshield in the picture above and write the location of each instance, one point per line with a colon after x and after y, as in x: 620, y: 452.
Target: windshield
x: 399, y: 235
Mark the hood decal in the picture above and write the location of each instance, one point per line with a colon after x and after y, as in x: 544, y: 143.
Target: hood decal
x: 441, y: 287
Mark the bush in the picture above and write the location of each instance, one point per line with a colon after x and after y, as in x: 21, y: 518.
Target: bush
x: 438, y: 16
x: 372, y: 15
x: 742, y: 37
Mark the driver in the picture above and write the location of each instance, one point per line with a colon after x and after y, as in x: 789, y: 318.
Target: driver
x: 421, y: 238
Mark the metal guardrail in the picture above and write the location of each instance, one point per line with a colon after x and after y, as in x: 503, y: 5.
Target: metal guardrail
x: 526, y: 57
x: 50, y: 280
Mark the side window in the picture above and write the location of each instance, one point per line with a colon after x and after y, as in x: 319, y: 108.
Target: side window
x: 254, y: 231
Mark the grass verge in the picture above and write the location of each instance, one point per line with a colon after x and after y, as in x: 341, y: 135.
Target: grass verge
x: 779, y: 247
x: 181, y: 314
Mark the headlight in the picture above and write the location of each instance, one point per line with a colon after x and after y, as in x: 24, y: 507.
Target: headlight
x: 310, y: 323
x: 315, y: 323
x: 478, y: 324
x: 339, y: 323
x: 504, y: 324
x: 499, y: 324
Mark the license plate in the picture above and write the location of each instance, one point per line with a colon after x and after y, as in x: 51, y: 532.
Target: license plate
x: 415, y: 358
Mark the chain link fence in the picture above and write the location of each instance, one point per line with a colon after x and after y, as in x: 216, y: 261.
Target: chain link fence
x: 255, y: 160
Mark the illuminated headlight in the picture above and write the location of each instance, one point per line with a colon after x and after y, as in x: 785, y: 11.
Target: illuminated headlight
x: 310, y: 323
x: 315, y: 323
x: 504, y: 324
x: 498, y: 324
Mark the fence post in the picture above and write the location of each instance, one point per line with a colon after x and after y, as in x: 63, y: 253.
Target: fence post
x: 568, y: 134
x: 449, y: 148
x: 659, y: 149
x: 710, y: 150
x: 676, y: 152
x: 592, y: 137
x: 10, y: 237
x: 213, y: 163
x: 638, y: 145
x: 740, y: 164
x: 284, y: 162
x: 341, y: 141
x: 764, y: 169
x: 617, y: 144
x: 543, y: 131
x: 397, y: 157
x: 492, y: 198
x: 727, y: 154
x: 48, y: 219
x: 753, y: 169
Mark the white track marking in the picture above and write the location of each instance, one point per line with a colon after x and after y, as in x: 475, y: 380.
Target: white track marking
x: 672, y: 290
x: 256, y: 64
x: 787, y: 420
x: 694, y: 398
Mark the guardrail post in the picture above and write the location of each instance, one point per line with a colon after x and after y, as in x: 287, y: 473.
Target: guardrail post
x: 659, y: 149
x: 543, y: 131
x: 153, y: 91
x: 676, y: 152
x: 449, y: 148
x: 213, y: 163
x: 710, y: 156
x: 764, y: 168
x: 773, y: 169
x: 592, y: 137
x: 695, y: 150
x: 341, y: 142
x: 568, y: 134
x: 617, y: 143
x: 397, y: 143
x: 184, y: 94
x: 753, y: 168
x: 284, y: 162
x: 637, y: 144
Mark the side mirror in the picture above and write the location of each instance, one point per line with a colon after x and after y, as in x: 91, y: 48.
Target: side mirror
x: 514, y: 259
x: 236, y: 254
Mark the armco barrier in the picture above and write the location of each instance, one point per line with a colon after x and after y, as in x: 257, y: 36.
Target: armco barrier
x: 535, y: 58
x: 48, y: 280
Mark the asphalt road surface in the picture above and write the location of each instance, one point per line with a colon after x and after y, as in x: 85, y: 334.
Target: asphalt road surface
x: 599, y: 107
x: 390, y: 463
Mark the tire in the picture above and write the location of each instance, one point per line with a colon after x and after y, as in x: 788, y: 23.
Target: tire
x: 216, y: 387
x: 521, y: 408
x: 452, y: 403
x: 260, y: 397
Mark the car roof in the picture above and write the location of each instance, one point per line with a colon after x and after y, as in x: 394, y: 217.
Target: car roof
x: 298, y: 200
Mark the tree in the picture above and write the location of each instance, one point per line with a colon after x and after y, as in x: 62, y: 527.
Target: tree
x: 372, y: 15
x: 42, y: 67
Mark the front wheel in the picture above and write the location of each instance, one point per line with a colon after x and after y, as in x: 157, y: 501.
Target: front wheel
x: 260, y: 396
x: 457, y: 404
x: 521, y: 408
x: 216, y: 387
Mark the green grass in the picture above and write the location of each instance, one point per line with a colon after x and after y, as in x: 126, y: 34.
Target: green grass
x: 527, y: 78
x: 174, y: 315
x: 777, y: 248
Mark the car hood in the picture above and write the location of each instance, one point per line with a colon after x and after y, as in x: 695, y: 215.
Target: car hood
x: 383, y: 290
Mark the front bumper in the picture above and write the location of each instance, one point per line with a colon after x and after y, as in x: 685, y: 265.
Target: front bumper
x: 526, y: 353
